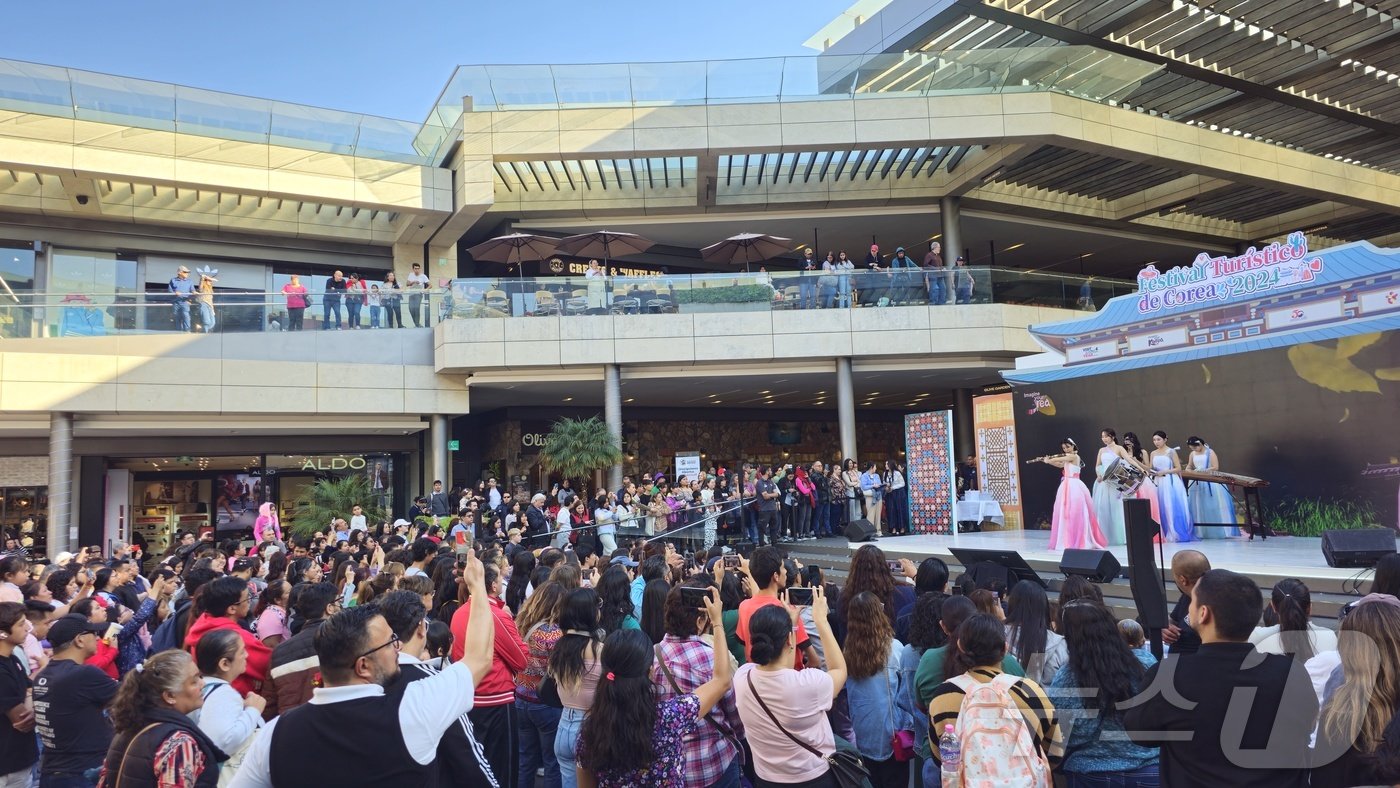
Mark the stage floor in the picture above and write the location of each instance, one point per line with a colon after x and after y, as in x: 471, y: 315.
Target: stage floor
x: 1283, y: 556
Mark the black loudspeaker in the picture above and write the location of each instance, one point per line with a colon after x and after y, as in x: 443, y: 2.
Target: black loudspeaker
x: 1357, y: 549
x: 744, y: 548
x: 1144, y: 576
x: 1098, y: 565
x: 860, y: 531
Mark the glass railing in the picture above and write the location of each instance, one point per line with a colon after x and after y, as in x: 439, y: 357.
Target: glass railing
x: 28, y: 314
x: 86, y: 95
x: 1082, y: 71
x: 566, y: 296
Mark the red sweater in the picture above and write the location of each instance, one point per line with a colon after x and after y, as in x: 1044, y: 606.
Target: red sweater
x: 259, y: 655
x: 498, y: 688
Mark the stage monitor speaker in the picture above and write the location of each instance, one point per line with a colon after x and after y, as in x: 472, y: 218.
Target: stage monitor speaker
x: 860, y: 531
x: 1098, y: 565
x: 1357, y: 548
x: 1144, y: 576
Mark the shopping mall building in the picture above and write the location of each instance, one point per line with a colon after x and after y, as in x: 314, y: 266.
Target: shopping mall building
x: 1059, y: 147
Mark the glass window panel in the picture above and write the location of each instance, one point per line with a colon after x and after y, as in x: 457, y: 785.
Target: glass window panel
x: 222, y: 115
x: 32, y: 87
x: 90, y: 293
x: 324, y: 129
x: 759, y: 79
x: 116, y: 99
x: 388, y: 139
x: 668, y: 83
x: 517, y: 87
x: 16, y: 290
x: 607, y: 83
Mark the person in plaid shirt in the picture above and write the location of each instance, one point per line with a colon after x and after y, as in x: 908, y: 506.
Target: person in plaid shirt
x: 685, y: 660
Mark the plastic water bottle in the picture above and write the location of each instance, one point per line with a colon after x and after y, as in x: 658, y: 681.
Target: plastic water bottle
x: 950, y: 753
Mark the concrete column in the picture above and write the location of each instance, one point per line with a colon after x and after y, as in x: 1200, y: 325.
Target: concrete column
x: 438, y: 434
x: 846, y: 408
x: 612, y: 413
x: 950, y: 214
x: 60, y: 481
x: 964, y: 442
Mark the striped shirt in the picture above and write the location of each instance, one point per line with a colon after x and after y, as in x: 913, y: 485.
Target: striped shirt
x: 1035, y: 706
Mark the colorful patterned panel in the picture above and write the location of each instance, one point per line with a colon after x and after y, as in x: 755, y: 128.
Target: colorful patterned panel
x: 928, y: 446
x: 998, y: 470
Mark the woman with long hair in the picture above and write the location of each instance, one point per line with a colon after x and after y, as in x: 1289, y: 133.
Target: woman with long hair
x: 805, y: 497
x: 1177, y: 525
x: 870, y: 572
x: 981, y: 649
x: 1210, y: 502
x: 537, y: 722
x: 925, y: 634
x: 521, y: 567
x: 935, y: 664
x: 654, y: 609
x: 1102, y: 671
x: 1028, y: 634
x: 1358, y: 735
x: 629, y: 739
x: 271, y: 614
x: 775, y: 700
x: 850, y: 476
x: 1073, y: 525
x: 227, y: 718
x: 1295, y: 633
x: 879, y: 702
x: 1108, y: 501
x: 574, y: 665
x: 156, y: 742
x: 615, y: 608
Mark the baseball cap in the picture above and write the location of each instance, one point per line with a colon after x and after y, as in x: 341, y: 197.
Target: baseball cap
x: 184, y: 270
x: 64, y: 630
x: 623, y: 560
x: 400, y: 522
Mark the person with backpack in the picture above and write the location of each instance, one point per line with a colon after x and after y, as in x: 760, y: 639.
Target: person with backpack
x: 987, y: 707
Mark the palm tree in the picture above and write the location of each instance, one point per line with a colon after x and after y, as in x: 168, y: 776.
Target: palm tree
x: 577, y: 448
x: 330, y: 498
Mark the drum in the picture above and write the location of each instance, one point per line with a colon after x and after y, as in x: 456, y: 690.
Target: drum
x: 1123, y: 475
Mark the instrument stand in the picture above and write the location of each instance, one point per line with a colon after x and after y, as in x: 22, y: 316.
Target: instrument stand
x: 1254, y: 514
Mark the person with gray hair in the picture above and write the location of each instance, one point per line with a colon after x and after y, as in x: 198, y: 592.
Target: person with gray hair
x: 155, y: 737
x: 537, y: 522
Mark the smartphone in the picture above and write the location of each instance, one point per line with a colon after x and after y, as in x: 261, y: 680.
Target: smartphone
x: 799, y: 596
x: 895, y: 566
x: 694, y: 597
x: 732, y: 561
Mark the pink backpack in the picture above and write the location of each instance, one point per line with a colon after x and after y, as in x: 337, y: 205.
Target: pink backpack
x: 998, y: 750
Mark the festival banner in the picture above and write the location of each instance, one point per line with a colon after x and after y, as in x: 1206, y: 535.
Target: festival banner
x: 928, y: 448
x: 998, y: 471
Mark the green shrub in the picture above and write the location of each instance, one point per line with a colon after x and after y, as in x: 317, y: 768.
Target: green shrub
x: 731, y: 294
x: 1312, y: 516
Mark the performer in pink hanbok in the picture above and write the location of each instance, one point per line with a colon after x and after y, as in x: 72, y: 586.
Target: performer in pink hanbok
x: 1148, y: 489
x: 1073, y: 524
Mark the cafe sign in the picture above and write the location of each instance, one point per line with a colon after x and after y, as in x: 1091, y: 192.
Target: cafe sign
x: 1212, y: 281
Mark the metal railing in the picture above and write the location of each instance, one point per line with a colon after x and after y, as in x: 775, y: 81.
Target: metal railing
x: 30, y: 314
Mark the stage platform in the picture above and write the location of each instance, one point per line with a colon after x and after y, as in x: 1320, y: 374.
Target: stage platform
x: 1266, y: 561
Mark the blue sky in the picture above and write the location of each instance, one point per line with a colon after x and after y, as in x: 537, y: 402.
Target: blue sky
x: 388, y: 58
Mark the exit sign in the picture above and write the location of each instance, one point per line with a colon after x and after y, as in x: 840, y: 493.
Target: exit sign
x: 454, y: 445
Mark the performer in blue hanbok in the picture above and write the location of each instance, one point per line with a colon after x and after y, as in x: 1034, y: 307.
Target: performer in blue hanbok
x: 1177, y: 525
x: 1210, y: 501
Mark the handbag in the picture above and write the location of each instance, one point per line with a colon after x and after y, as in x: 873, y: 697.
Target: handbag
x: 549, y: 693
x: 846, y: 767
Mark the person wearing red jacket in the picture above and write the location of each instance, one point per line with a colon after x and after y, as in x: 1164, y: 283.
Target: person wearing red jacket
x: 224, y: 602
x: 493, y: 713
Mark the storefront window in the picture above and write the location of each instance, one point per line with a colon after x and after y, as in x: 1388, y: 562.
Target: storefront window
x: 24, y: 515
x: 296, y: 473
x: 16, y: 289
x: 239, y: 302
x: 91, y: 293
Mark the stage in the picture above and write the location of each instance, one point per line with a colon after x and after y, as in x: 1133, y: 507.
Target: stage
x: 1266, y: 561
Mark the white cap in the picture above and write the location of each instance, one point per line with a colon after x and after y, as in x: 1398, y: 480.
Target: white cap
x: 400, y: 522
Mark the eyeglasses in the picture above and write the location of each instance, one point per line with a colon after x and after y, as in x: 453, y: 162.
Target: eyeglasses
x: 393, y: 641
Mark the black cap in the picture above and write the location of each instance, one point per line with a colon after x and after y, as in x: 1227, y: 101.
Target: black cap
x: 64, y: 630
